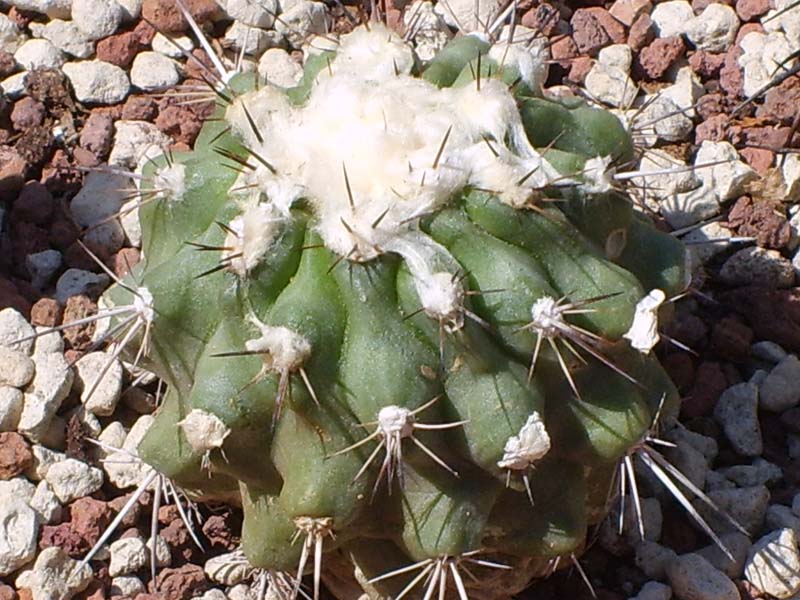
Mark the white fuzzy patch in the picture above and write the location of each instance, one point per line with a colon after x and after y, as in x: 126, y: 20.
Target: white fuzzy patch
x: 281, y: 349
x: 204, y: 430
x: 598, y: 178
x: 170, y: 181
x: 251, y: 235
x: 643, y: 333
x: 528, y: 446
x: 395, y: 420
x: 370, y: 124
x: 143, y: 304
x: 547, y: 317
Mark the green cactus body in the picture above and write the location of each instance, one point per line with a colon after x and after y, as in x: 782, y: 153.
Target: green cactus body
x: 378, y: 332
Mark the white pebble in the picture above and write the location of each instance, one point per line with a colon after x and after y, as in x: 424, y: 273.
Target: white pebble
x: 152, y: 71
x: 43, y: 459
x: 48, y: 342
x: 66, y: 36
x: 653, y: 590
x: 128, y: 555
x: 761, y: 54
x: 127, y: 586
x: 11, y: 402
x: 97, y: 18
x: 51, y: 384
x: 46, y: 503
x: 97, y: 82
x: 55, y: 576
x: 134, y: 142
x: 736, y: 411
x: 99, y: 381
x: 278, y: 68
x: 14, y: 85
x: 302, y: 18
x: 258, y: 13
x: 14, y: 327
x: 773, y: 565
x: 72, y: 479
x: 19, y: 527
x: 227, y: 569
x: 670, y: 18
x: 39, y: 54
x: 171, y: 46
x: 18, y: 368
x: 781, y: 389
x: 10, y: 36
x: 251, y: 39
x: 713, y: 30
x: 55, y: 9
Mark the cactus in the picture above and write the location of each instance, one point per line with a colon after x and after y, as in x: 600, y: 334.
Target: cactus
x: 399, y: 311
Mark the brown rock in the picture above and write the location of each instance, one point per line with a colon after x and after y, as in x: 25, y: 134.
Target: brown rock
x: 710, y: 105
x: 97, y: 134
x: 124, y: 260
x: 34, y: 204
x: 180, y: 123
x: 713, y: 129
x: 10, y: 297
x: 680, y: 367
x: 760, y: 159
x: 27, y: 238
x: 119, y: 49
x: 543, y: 17
x: 51, y: 88
x: 763, y: 220
x: 730, y: 76
x: 7, y: 592
x: 706, y: 64
x: 63, y: 536
x: 563, y: 50
x: 182, y: 583
x: 79, y: 307
x: 641, y: 33
x: 27, y: 113
x: 732, y: 339
x: 89, y: 518
x: 751, y: 9
x: 12, y: 169
x: 166, y: 16
x: 7, y: 64
x: 76, y: 257
x: 135, y: 513
x: 15, y: 455
x: 579, y: 69
x: 46, y: 312
x: 709, y: 383
x: 219, y: 531
x: 655, y: 59
x: 588, y: 32
x: 194, y: 70
x: 63, y: 233
x: 139, y: 108
x: 144, y: 33
x: 627, y: 11
x: 781, y: 102
x: 36, y: 144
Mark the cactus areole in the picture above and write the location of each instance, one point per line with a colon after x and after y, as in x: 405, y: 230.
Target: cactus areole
x: 393, y: 307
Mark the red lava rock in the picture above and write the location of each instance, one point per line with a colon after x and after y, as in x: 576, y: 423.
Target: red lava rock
x: 641, y: 33
x: 543, y: 17
x: 732, y: 339
x: 135, y: 513
x: 7, y: 64
x: 12, y: 169
x: 76, y: 257
x: 58, y: 176
x: 182, y: 583
x: 627, y: 11
x: 579, y: 69
x: 219, y: 531
x: 706, y: 64
x: 193, y: 69
x: 97, y: 134
x: 119, y: 49
x: 34, y: 204
x: 46, y: 312
x: 21, y: 18
x: 748, y: 591
x: 84, y: 158
x: 588, y: 32
x: 655, y: 59
x: 731, y: 76
x: 63, y: 536
x: 166, y: 17
x: 139, y: 108
x: 168, y: 513
x: 750, y: 9
x: 713, y: 129
x: 27, y: 113
x: 124, y: 260
x: 709, y: 383
x: 63, y: 233
x: 614, y: 29
x: 763, y: 220
x: 781, y: 102
x: 760, y: 159
x: 563, y: 49
x: 79, y: 307
x: 710, y: 105
x: 7, y: 592
x: 15, y: 455
x: 180, y: 123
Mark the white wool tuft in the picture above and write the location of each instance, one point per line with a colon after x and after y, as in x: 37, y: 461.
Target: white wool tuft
x: 373, y: 128
x: 547, y: 317
x: 597, y: 176
x: 643, y: 333
x: 281, y: 349
x: 143, y: 304
x: 251, y: 235
x: 170, y: 181
x: 395, y: 420
x: 204, y: 430
x: 528, y: 446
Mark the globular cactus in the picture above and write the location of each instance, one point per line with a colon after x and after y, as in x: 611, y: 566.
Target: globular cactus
x: 404, y: 315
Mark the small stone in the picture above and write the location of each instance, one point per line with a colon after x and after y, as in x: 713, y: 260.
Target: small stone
x: 46, y: 503
x: 127, y: 586
x: 72, y: 479
x: 174, y: 46
x: 641, y: 33
x: 651, y: 523
x: 773, y: 564
x: 260, y: 13
x: 77, y: 282
x: 304, y: 18
x: 761, y: 472
x: 588, y: 33
x: 121, y: 470
x: 39, y: 54
x: 659, y: 56
x: 134, y: 141
x: 55, y: 576
x: 97, y: 18
x: 737, y: 544
x: 15, y: 331
x: 227, y: 569
x: 736, y: 412
x: 250, y: 40
x: 51, y: 384
x: 11, y: 403
x: 42, y: 266
x: 119, y: 49
x: 67, y: 37
x: 99, y: 397
x: 18, y: 368
x: 714, y: 30
x: 627, y: 11
x: 152, y: 71
x: 182, y: 583
x: 653, y: 590
x: 15, y: 455
x: 19, y: 528
x: 279, y: 68
x: 27, y: 113
x: 43, y: 459
x: 781, y: 389
x: 166, y: 16
x: 670, y: 18
x: 760, y: 54
x: 692, y: 577
x: 758, y: 266
x: 97, y: 82
x: 97, y: 135
x: 781, y: 517
x: 747, y: 506
x: 653, y: 558
x: 128, y: 555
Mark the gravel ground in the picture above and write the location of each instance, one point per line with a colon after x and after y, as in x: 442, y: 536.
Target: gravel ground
x: 90, y: 82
